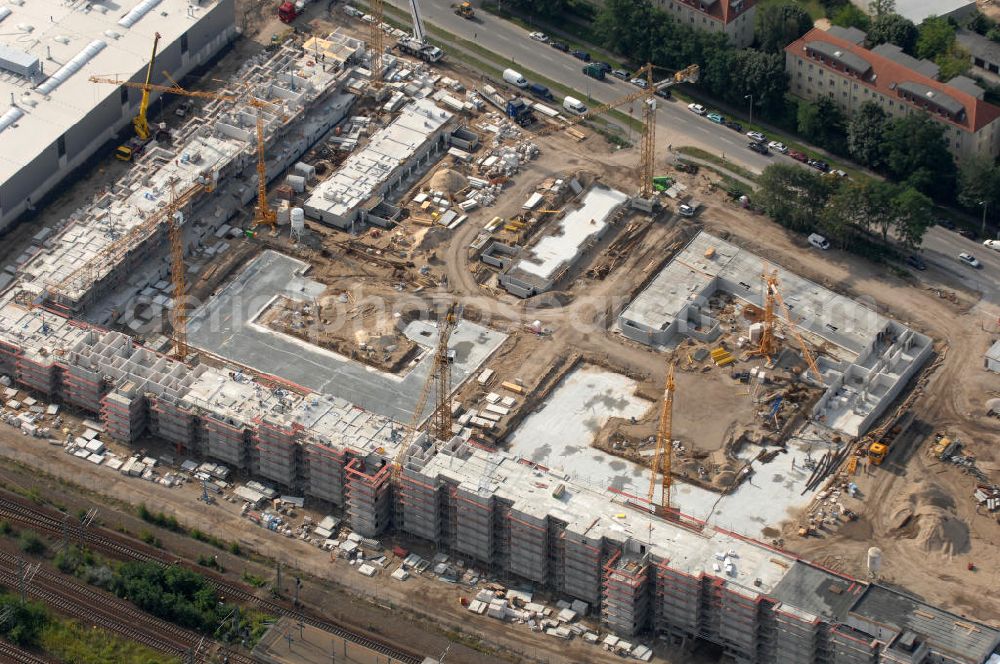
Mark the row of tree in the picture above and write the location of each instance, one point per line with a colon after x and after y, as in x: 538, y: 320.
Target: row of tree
x: 858, y: 215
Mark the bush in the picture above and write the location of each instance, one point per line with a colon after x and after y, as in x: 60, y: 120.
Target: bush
x: 24, y: 622
x: 32, y: 544
x: 160, y: 519
x: 6, y: 528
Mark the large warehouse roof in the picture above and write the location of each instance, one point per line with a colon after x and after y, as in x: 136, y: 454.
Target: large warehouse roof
x: 48, y: 50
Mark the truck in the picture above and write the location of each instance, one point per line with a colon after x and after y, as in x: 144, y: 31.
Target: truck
x: 594, y: 70
x: 519, y: 110
x: 288, y: 11
x: 465, y: 10
x: 416, y: 44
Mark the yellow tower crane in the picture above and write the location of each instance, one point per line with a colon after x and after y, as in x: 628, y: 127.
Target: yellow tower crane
x: 140, y: 123
x: 264, y: 215
x: 768, y: 345
x: 663, y: 458
x: 647, y: 147
x: 439, y: 381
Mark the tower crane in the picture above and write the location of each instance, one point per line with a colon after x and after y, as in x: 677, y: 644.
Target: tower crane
x: 438, y: 381
x: 647, y: 150
x: 664, y: 455
x: 375, y: 37
x: 264, y: 215
x: 141, y: 125
x: 768, y: 345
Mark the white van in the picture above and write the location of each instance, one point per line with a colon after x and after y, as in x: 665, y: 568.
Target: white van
x: 819, y: 241
x: 515, y: 78
x: 574, y: 105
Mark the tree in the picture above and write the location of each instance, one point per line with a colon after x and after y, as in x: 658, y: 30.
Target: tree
x: 881, y: 7
x: 762, y: 75
x: 793, y: 196
x: 935, y: 37
x: 978, y: 182
x: 850, y: 16
x: 624, y: 26
x: 893, y: 29
x: 913, y: 216
x: 916, y: 154
x: 864, y: 134
x: 821, y: 122
x: 953, y: 63
x: 864, y: 205
x: 778, y: 25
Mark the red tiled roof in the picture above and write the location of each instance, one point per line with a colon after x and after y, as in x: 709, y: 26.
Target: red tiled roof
x: 721, y: 9
x: 886, y: 75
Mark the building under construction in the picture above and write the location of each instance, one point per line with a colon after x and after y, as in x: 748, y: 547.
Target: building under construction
x: 641, y: 573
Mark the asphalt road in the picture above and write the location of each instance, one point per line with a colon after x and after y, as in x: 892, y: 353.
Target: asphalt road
x: 676, y: 125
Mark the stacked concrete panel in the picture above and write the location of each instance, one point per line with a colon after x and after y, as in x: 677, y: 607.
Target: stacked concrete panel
x: 277, y: 452
x: 369, y: 495
x: 626, y: 600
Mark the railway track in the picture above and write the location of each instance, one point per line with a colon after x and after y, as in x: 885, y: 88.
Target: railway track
x: 11, y: 654
x: 43, y: 519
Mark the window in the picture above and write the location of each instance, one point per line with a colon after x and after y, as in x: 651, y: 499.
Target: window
x: 184, y: 43
x: 61, y: 146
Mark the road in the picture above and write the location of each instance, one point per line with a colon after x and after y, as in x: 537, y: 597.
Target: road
x: 676, y: 125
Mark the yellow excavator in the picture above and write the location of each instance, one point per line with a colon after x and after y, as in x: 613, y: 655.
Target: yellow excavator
x: 137, y: 143
x: 465, y: 10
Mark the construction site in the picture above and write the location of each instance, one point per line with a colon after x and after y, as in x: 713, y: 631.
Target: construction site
x: 356, y: 274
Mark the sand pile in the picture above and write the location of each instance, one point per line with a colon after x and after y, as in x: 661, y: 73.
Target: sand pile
x: 448, y: 181
x: 926, y: 514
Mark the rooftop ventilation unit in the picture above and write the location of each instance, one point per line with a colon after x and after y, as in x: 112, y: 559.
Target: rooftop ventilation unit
x: 71, y: 67
x: 19, y: 62
x: 137, y: 13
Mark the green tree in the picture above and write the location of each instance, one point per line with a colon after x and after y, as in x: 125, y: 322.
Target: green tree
x: 793, y: 196
x: 935, y: 37
x: 821, y: 122
x: 778, y: 25
x: 762, y: 75
x: 626, y: 26
x: 978, y: 182
x: 24, y: 622
x: 864, y: 205
x: 893, y: 29
x: 850, y: 16
x: 913, y: 216
x: 881, y: 7
x: 953, y: 63
x: 916, y: 154
x: 864, y: 134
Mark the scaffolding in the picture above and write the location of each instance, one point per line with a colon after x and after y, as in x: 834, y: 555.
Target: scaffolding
x: 625, y: 590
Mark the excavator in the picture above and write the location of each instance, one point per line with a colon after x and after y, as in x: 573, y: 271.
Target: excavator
x: 465, y: 10
x: 143, y: 134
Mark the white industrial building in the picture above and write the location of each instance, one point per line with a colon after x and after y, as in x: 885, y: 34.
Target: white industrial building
x: 53, y: 118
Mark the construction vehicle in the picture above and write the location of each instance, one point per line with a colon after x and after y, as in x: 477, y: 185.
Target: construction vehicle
x: 519, y: 110
x: 882, y: 438
x: 648, y: 96
x: 465, y: 10
x: 416, y: 44
x: 135, y: 145
x: 288, y: 11
x: 664, y: 453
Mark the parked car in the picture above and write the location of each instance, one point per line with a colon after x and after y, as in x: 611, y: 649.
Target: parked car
x: 735, y: 126
x: 916, y: 262
x: 818, y: 241
x: 605, y: 66
x: 620, y: 73
x: 756, y: 136
x: 798, y: 156
x: 664, y: 93
x: 696, y: 108
x: 821, y: 166
x: 560, y: 46
x: 716, y: 118
x: 966, y: 233
x: 945, y: 223
x: 639, y: 82
x: 581, y: 55
x: 969, y: 260
x: 539, y: 37
x: 778, y: 147
x: 541, y: 91
x: 759, y: 147
x: 992, y: 244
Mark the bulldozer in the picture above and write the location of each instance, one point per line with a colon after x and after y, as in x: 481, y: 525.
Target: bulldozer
x: 465, y: 10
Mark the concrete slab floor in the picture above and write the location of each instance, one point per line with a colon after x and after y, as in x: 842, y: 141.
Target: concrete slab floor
x: 559, y: 436
x: 225, y: 326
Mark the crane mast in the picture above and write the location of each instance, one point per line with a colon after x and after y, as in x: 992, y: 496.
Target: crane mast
x: 663, y: 457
